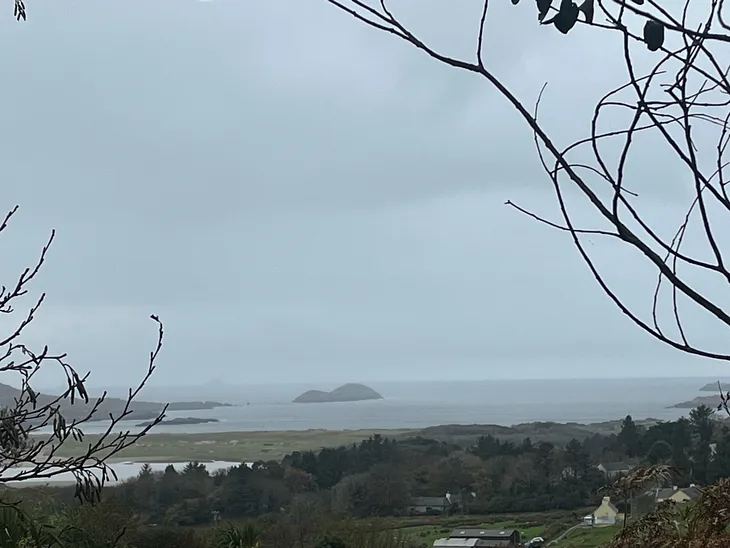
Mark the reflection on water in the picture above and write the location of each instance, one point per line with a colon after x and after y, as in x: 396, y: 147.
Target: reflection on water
x: 123, y: 470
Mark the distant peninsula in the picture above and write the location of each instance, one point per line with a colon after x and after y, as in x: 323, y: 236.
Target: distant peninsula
x: 179, y: 420
x: 195, y: 405
x: 344, y: 393
x: 712, y: 387
x: 138, y: 410
x: 710, y: 401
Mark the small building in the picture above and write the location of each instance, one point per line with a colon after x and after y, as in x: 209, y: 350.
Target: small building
x: 487, y: 538
x: 455, y: 543
x: 615, y: 469
x: 605, y: 514
x: 429, y: 505
x: 678, y: 494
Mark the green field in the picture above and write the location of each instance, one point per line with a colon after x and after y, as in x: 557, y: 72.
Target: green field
x: 424, y: 530
x: 229, y: 446
x: 427, y: 534
x: 548, y: 525
x: 590, y: 537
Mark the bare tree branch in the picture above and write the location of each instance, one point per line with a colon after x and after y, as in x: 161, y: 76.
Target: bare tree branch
x: 24, y: 454
x: 686, y: 91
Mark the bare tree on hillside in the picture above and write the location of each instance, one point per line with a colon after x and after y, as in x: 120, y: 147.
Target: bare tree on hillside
x: 684, y: 93
x: 25, y: 454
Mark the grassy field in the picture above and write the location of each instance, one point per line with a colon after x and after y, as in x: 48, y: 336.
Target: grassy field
x: 427, y: 534
x: 273, y: 445
x: 230, y: 446
x: 425, y: 530
x: 590, y: 537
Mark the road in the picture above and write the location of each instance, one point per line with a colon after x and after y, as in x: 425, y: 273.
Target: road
x: 565, y: 534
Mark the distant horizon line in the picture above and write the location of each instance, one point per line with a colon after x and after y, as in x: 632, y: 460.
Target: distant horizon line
x: 229, y: 383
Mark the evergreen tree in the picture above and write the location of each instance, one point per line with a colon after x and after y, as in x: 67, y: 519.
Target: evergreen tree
x: 629, y: 437
x: 720, y: 464
x: 703, y: 426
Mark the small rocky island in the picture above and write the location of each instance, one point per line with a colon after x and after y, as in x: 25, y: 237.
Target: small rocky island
x: 344, y: 393
x: 179, y: 421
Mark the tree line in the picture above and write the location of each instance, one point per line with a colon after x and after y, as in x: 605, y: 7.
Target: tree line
x: 381, y: 476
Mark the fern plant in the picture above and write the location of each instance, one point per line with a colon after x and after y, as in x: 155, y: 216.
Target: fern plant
x: 230, y: 536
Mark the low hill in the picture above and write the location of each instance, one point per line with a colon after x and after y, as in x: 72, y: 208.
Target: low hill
x: 140, y: 410
x: 344, y: 393
x: 180, y: 421
x: 558, y: 433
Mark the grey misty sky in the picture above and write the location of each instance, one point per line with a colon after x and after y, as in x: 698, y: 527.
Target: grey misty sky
x: 301, y: 198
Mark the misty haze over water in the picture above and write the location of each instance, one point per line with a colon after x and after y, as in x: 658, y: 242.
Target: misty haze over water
x: 422, y: 404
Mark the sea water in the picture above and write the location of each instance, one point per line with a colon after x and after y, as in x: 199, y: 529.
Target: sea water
x: 422, y: 404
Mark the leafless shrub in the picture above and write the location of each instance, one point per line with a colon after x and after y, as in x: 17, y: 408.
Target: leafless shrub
x: 644, y: 477
x: 25, y: 454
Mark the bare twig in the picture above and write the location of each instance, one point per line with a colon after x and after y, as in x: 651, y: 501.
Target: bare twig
x: 26, y: 455
x: 686, y: 89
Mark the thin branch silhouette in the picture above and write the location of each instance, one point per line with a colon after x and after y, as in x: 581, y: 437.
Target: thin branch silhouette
x: 685, y: 92
x: 27, y: 451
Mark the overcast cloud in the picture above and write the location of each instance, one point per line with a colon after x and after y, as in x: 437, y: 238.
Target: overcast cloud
x: 300, y: 197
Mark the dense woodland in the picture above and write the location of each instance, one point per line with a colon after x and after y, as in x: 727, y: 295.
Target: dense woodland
x: 378, y: 477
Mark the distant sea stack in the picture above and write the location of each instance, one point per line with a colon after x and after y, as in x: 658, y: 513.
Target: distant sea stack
x: 346, y: 392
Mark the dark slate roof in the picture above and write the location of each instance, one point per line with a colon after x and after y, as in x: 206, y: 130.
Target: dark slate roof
x: 433, y: 502
x: 692, y: 492
x: 486, y: 534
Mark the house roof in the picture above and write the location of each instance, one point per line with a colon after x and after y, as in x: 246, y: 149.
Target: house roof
x: 484, y: 534
x: 455, y: 542
x: 433, y: 502
x: 691, y: 492
x: 617, y: 466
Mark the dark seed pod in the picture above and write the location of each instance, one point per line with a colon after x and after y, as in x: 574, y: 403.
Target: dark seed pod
x: 543, y: 7
x: 653, y: 35
x: 566, y: 17
x: 587, y: 9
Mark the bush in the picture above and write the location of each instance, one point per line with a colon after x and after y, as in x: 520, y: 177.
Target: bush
x: 230, y: 536
x: 165, y: 537
x: 554, y: 530
x: 331, y: 542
